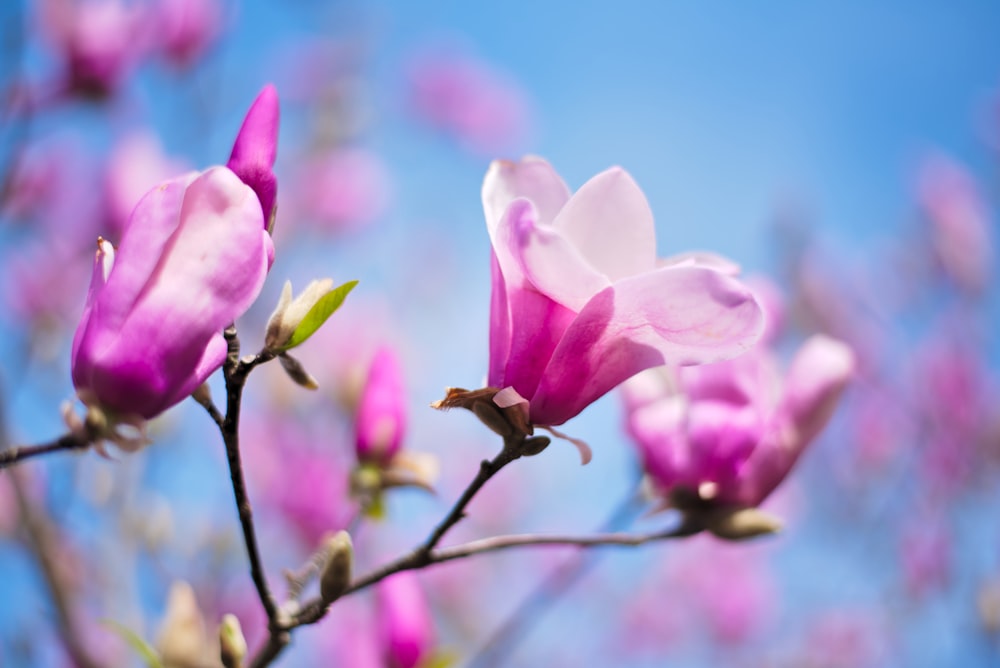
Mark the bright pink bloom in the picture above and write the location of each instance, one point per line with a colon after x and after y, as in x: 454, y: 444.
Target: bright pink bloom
x: 256, y: 148
x: 193, y: 258
x: 580, y: 302
x: 381, y: 418
x: 730, y: 432
x: 404, y: 621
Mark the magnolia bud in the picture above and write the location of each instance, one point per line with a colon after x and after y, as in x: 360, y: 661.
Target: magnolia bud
x: 336, y: 575
x: 289, y: 314
x: 297, y: 372
x: 232, y: 644
x: 182, y: 640
x: 740, y: 523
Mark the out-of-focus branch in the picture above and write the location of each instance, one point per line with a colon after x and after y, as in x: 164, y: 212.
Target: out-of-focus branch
x: 19, y: 453
x: 42, y: 543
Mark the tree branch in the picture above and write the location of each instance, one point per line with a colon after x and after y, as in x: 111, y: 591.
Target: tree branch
x: 19, y: 453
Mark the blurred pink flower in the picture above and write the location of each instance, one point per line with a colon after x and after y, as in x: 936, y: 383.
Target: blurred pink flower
x: 731, y: 432
x: 925, y: 554
x: 136, y: 165
x: 404, y: 621
x: 481, y: 107
x: 299, y: 475
x: 99, y: 41
x: 381, y: 418
x: 341, y: 189
x: 580, y: 302
x: 186, y: 28
x: 959, y: 222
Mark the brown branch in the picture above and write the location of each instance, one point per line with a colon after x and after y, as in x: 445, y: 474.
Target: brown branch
x: 236, y: 372
x: 19, y: 453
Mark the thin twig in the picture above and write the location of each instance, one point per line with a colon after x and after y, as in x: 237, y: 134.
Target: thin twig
x: 19, y: 453
x: 525, y: 617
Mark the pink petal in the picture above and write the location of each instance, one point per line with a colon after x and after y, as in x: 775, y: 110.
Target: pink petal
x: 540, y: 321
x: 531, y: 178
x: 818, y: 375
x: 256, y: 148
x: 141, y: 347
x: 550, y: 261
x: 701, y: 259
x: 668, y: 316
x: 610, y: 224
x: 660, y: 431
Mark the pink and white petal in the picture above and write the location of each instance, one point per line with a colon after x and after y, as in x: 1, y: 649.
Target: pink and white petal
x: 500, y: 327
x: 550, y: 262
x: 531, y: 178
x: 701, y: 259
x: 536, y: 322
x: 151, y: 226
x: 611, y: 225
x: 668, y: 316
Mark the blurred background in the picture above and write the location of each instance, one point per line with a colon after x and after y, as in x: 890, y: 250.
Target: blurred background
x: 844, y: 152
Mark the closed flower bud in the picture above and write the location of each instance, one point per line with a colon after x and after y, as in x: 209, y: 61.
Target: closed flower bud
x: 336, y: 574
x: 183, y: 640
x: 297, y: 372
x: 289, y: 313
x: 232, y: 644
x: 381, y: 417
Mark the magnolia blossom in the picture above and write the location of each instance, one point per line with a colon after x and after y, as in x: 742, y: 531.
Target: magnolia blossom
x: 192, y: 259
x: 580, y: 302
x: 404, y: 621
x: 730, y: 432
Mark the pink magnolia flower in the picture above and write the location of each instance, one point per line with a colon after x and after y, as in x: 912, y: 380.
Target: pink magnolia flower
x: 342, y: 189
x: 404, y: 621
x: 730, y: 432
x: 580, y: 302
x: 97, y: 40
x: 381, y: 418
x: 192, y: 259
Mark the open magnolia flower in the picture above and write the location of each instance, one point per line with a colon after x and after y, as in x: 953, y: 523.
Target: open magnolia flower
x: 727, y: 434
x: 580, y: 302
x: 193, y: 257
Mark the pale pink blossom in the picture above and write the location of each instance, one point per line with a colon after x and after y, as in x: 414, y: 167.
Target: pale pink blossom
x: 579, y: 301
x: 342, y: 189
x: 185, y: 29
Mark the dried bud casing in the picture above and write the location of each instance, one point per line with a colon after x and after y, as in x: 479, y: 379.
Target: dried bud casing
x: 297, y: 372
x: 232, y: 644
x: 741, y: 523
x: 336, y: 575
x: 508, y: 418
